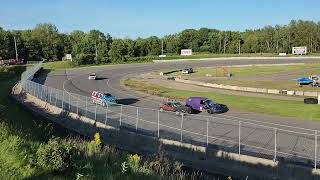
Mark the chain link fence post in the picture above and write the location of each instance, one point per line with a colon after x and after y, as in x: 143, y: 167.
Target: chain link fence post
x: 41, y: 91
x: 95, y: 112
x: 69, y: 101
x: 315, y: 148
x: 55, y: 102
x: 137, y: 121
x: 86, y: 107
x: 207, y: 132
x: 62, y: 104
x: 37, y: 86
x: 239, y: 138
x: 158, y: 123
x: 181, y: 126
x: 120, y: 116
x: 33, y: 89
x: 50, y: 95
x: 78, y: 106
x: 275, y: 145
x: 106, y: 120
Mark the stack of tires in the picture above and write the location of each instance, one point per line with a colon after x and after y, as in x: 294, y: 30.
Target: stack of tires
x: 310, y: 101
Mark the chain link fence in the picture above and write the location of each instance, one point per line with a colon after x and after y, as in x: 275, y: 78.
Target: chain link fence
x: 218, y: 132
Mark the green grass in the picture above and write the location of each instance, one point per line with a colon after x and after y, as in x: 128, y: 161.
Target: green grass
x: 58, y: 65
x: 294, y: 71
x: 284, y: 108
x: 250, y: 71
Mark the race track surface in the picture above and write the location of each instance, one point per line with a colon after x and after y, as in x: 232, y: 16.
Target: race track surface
x: 294, y: 137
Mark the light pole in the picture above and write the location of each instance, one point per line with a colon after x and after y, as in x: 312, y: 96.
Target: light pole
x: 239, y: 47
x: 161, y: 46
x: 15, y: 47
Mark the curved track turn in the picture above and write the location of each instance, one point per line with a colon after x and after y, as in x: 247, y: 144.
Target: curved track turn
x: 256, y: 126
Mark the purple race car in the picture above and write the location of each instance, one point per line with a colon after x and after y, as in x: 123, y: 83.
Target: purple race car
x: 204, y: 104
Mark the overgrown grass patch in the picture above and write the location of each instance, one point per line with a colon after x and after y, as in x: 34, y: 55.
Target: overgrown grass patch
x: 284, y: 108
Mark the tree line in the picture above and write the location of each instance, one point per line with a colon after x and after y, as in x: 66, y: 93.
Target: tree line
x: 46, y: 42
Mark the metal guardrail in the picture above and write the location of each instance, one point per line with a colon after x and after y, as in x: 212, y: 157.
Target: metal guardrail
x: 242, y: 136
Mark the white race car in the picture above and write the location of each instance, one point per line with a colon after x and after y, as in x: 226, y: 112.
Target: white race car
x: 187, y: 71
x: 92, y: 76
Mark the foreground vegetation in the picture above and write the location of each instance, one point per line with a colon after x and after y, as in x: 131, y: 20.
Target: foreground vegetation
x: 32, y: 148
x: 95, y: 47
x: 284, y: 108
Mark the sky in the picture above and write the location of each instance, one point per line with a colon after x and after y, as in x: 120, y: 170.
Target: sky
x: 142, y: 18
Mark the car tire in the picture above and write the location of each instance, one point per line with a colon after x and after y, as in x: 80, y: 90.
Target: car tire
x: 311, y: 101
x: 189, y: 110
x: 210, y: 111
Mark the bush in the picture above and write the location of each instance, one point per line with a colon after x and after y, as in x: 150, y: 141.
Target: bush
x: 94, y: 146
x: 57, y: 155
x: 11, y: 71
x: 82, y: 59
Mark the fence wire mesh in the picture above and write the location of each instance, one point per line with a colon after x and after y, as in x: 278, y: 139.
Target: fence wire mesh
x: 215, y: 132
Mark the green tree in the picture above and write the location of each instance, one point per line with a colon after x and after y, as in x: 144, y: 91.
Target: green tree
x: 118, y: 51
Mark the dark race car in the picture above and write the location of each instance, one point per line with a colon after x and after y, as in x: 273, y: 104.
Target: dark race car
x: 173, y: 107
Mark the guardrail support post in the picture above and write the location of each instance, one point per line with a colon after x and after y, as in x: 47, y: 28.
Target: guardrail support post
x: 158, y: 123
x: 137, y: 119
x: 181, y: 126
x: 275, y: 145
x: 239, y: 136
x: 120, y: 114
x: 315, y: 148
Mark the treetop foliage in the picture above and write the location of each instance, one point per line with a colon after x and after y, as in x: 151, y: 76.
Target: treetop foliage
x: 46, y: 42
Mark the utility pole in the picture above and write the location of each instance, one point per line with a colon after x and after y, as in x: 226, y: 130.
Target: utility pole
x: 95, y: 44
x: 239, y: 47
x: 15, y: 47
x: 161, y: 46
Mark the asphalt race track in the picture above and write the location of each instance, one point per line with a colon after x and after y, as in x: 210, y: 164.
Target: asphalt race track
x: 294, y: 138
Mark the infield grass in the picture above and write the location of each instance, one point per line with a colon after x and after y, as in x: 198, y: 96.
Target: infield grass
x: 283, y: 108
x: 270, y: 77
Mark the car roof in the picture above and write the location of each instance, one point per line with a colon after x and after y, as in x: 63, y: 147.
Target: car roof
x: 198, y: 98
x: 92, y: 73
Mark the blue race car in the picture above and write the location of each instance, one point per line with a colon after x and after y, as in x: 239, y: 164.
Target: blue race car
x: 103, y: 98
x: 304, y: 81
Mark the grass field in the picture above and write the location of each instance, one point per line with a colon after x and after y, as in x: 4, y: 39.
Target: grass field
x: 272, y: 77
x: 284, y: 108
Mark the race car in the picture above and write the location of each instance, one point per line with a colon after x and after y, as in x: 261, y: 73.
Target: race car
x: 304, y: 81
x: 204, y: 104
x: 103, y: 98
x: 187, y: 71
x: 173, y: 106
x: 92, y: 76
